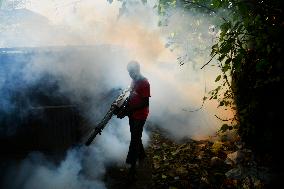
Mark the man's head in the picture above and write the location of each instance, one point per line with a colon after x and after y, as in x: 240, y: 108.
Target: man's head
x: 133, y: 68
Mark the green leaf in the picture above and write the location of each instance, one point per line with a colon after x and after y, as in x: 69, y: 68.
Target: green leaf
x: 228, y: 61
x: 215, y: 46
x: 216, y: 3
x: 225, y: 27
x: 218, y: 78
x: 222, y: 57
x: 226, y: 67
x: 226, y: 47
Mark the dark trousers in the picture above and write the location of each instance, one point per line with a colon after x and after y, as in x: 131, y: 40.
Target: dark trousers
x: 136, y: 149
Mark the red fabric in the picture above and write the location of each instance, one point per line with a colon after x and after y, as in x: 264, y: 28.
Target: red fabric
x: 140, y: 90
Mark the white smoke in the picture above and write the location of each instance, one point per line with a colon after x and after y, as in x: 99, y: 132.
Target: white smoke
x: 37, y: 172
x: 107, y: 44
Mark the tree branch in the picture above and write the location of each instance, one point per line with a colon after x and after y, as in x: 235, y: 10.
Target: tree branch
x: 203, y: 6
x: 208, y: 61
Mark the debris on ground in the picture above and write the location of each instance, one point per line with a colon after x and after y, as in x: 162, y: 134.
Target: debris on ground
x: 220, y: 163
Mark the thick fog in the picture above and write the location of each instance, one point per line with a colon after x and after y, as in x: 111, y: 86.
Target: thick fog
x: 96, y: 40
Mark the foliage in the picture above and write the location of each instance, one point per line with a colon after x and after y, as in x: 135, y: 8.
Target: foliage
x: 249, y: 54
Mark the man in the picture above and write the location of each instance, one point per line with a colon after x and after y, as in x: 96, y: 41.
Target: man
x: 137, y: 111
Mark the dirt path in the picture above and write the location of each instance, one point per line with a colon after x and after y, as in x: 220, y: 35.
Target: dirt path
x: 187, y: 165
x: 169, y: 166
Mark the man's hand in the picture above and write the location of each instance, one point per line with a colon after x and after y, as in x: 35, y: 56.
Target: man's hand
x: 121, y: 114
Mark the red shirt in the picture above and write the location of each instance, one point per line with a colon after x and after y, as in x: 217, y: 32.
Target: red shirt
x: 140, y: 90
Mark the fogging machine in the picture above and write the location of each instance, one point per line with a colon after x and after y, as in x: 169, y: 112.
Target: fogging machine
x: 118, y: 105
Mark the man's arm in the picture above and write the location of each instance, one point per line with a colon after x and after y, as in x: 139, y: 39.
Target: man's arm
x: 129, y: 109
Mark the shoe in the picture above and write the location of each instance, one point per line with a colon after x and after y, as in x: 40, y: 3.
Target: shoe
x: 131, y: 176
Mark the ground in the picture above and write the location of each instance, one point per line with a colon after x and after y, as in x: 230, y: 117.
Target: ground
x: 187, y: 164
